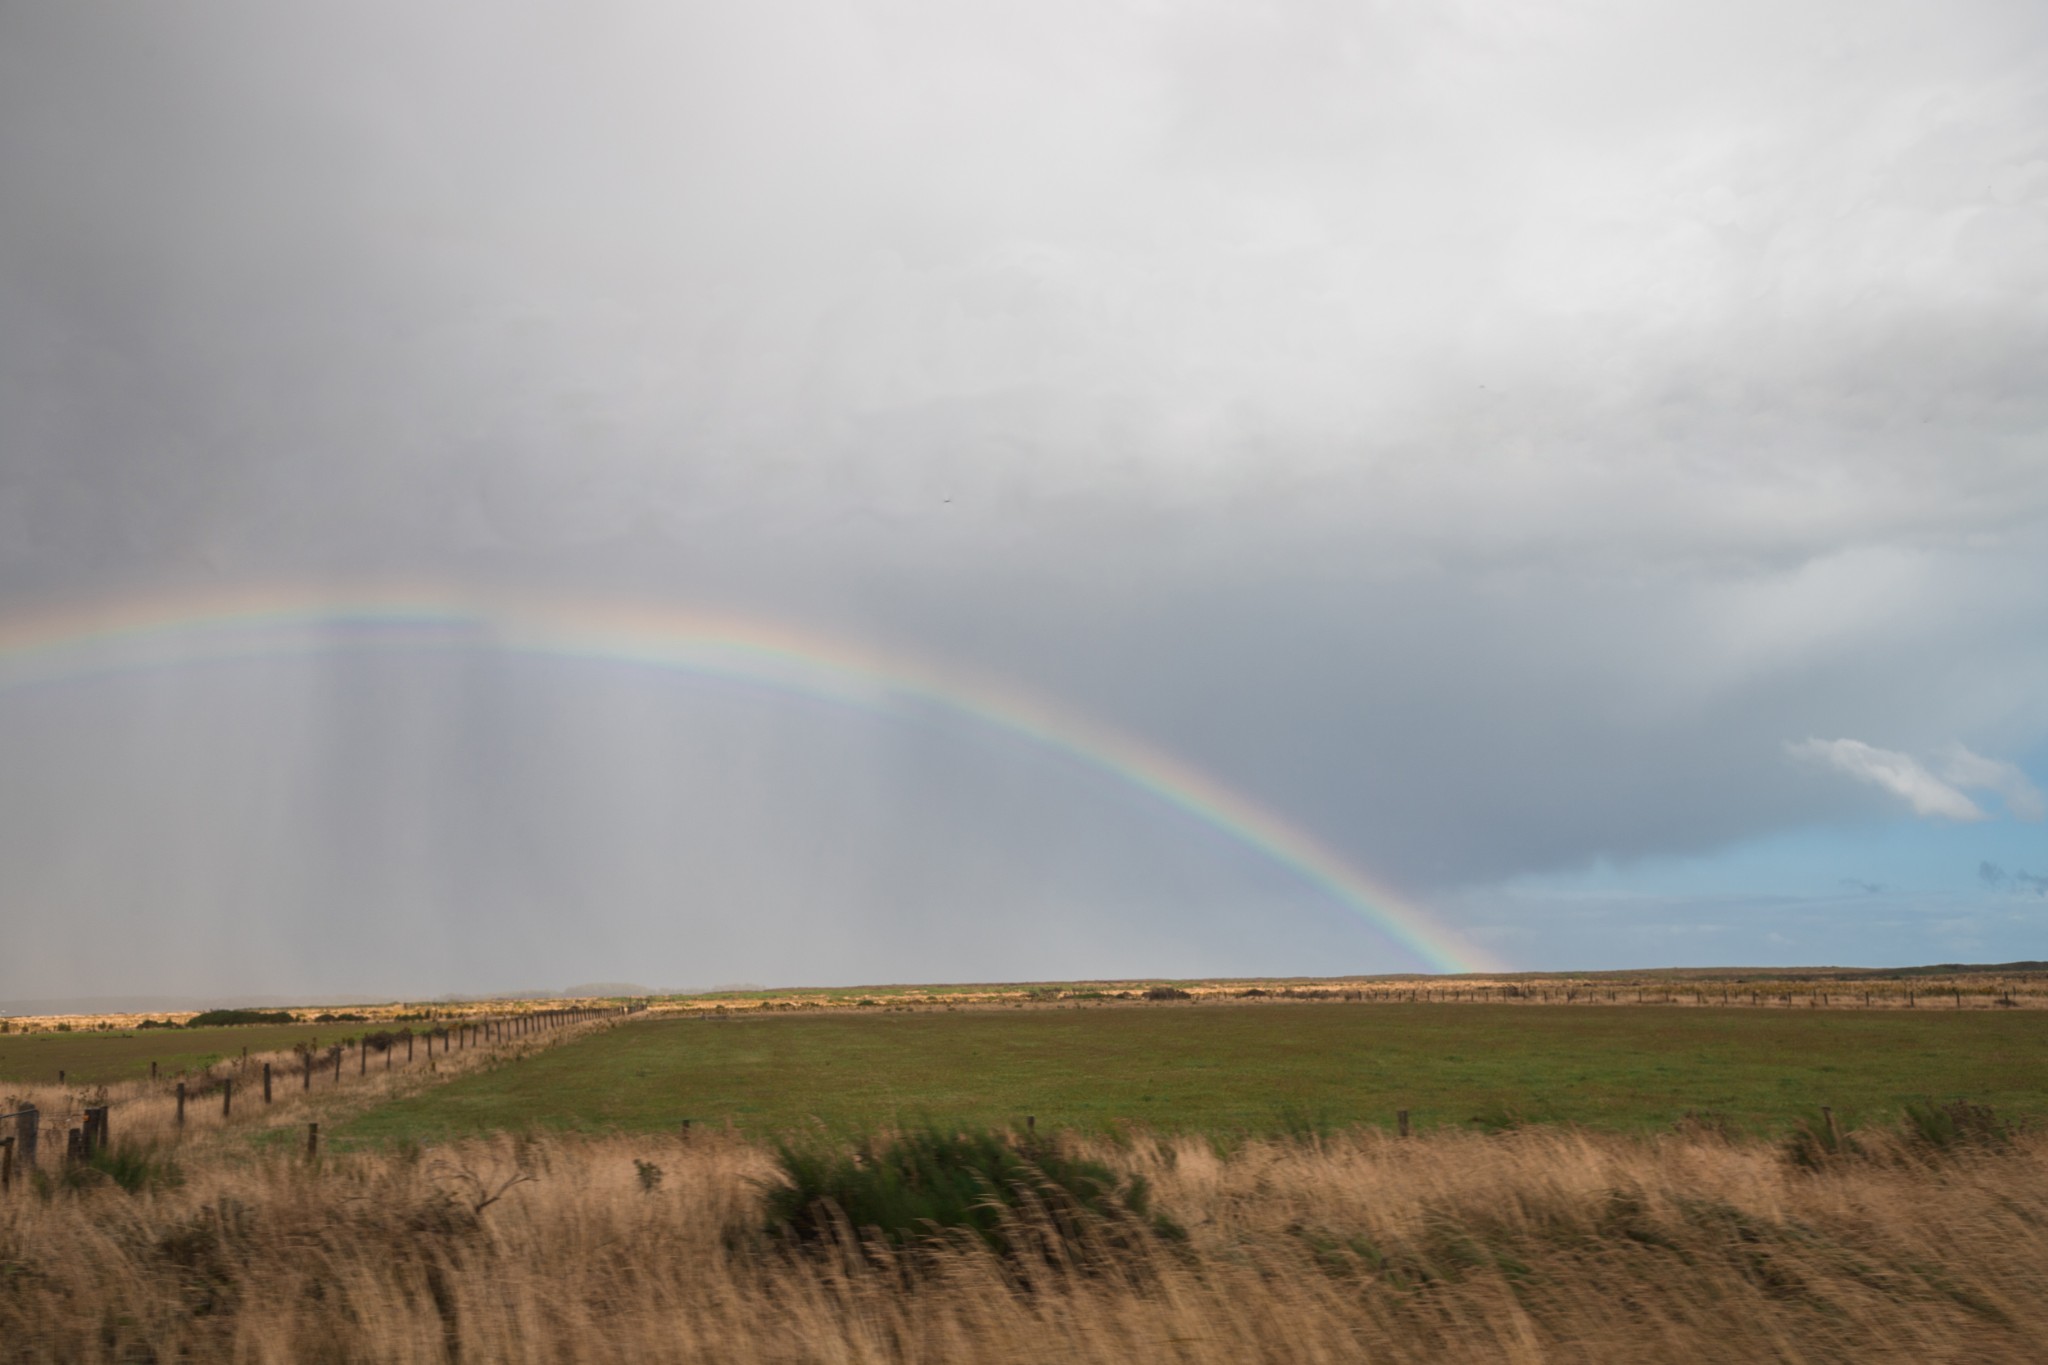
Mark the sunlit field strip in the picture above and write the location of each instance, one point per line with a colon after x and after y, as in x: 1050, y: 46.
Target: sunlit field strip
x: 1236, y: 1069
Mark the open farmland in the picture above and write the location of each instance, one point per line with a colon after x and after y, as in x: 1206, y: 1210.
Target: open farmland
x: 1268, y: 1068
x: 108, y: 1058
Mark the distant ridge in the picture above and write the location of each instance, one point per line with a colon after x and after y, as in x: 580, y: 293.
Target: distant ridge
x: 187, y: 1004
x: 170, y: 1004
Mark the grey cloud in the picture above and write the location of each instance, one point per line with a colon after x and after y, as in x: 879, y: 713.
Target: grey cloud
x: 1483, y: 438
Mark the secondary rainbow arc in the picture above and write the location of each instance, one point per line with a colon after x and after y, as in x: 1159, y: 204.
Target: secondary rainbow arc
x: 132, y: 634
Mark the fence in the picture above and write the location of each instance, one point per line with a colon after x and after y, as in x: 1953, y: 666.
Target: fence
x: 92, y: 1134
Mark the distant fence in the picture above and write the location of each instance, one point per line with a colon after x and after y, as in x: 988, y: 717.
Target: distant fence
x: 19, y: 1149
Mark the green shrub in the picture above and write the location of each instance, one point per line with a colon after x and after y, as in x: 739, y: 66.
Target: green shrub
x: 1813, y: 1142
x: 214, y: 1018
x: 136, y: 1167
x: 1167, y: 993
x: 924, y: 1185
x: 1949, y: 1127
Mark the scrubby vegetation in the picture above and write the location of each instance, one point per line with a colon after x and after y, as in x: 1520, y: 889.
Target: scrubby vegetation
x: 216, y: 1018
x: 915, y: 1188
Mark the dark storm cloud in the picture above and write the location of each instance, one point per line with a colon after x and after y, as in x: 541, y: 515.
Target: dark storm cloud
x: 1486, y: 439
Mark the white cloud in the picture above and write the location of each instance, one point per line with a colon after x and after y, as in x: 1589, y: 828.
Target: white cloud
x: 1900, y: 774
x: 2022, y: 798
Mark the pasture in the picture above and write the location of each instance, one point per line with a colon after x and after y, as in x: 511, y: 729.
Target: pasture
x: 1247, y: 1069
x: 94, y: 1058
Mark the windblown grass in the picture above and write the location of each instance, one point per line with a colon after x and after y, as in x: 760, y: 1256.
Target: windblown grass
x: 1531, y: 1245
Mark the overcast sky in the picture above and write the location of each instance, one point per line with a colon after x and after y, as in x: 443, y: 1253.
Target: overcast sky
x: 1582, y: 463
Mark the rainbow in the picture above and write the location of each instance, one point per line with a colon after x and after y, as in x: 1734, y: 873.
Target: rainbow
x: 135, y: 635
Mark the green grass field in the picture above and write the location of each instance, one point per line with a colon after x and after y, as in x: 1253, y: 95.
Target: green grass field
x: 103, y: 1058
x: 1257, y: 1069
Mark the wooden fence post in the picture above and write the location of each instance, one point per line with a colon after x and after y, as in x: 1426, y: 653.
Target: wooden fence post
x: 181, y: 1104
x: 6, y: 1164
x: 74, y: 1147
x: 266, y: 1082
x: 26, y: 1126
x: 1827, y: 1116
x: 1401, y: 1120
x: 152, y: 1071
x: 306, y: 1076
x: 408, y: 1047
x: 227, y: 1098
x: 339, y: 1053
x: 362, y: 1057
x: 312, y: 1141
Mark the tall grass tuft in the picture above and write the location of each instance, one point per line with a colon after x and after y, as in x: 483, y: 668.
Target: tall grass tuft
x: 919, y: 1186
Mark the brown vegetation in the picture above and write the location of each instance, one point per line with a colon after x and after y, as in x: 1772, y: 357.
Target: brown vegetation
x: 1531, y: 1245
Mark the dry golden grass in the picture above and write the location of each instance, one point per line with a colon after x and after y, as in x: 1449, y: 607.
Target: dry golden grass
x: 1535, y: 1245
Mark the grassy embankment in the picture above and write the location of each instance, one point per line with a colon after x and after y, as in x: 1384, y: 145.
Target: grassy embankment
x: 1231, y: 1069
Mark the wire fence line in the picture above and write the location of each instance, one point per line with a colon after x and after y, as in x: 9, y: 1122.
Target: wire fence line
x: 20, y: 1149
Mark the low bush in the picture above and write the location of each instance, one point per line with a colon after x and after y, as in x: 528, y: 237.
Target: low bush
x: 137, y: 1167
x: 1936, y: 1128
x: 919, y: 1187
x: 214, y: 1018
x: 134, y: 1167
